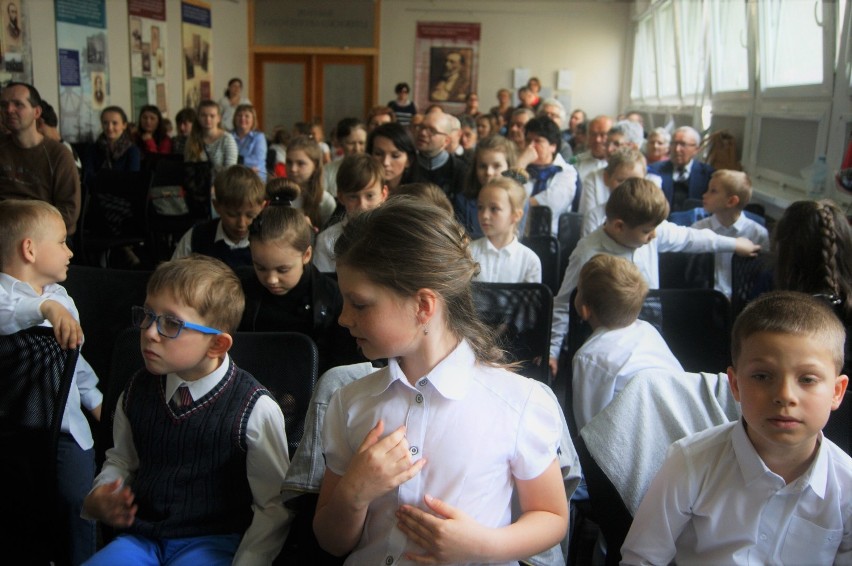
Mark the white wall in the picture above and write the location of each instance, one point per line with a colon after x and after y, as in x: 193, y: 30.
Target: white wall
x: 229, y: 49
x: 588, y: 38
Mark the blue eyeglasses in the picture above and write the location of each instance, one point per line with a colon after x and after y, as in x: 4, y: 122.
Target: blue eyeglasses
x: 167, y: 326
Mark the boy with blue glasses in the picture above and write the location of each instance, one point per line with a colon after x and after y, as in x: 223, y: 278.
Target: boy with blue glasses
x: 200, y: 449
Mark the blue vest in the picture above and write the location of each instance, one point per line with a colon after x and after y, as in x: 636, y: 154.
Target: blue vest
x: 192, y: 477
x: 202, y: 243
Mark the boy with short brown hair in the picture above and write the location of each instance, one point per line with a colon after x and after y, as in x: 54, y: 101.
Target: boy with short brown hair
x: 200, y: 449
x: 768, y: 488
x: 360, y: 187
x: 239, y: 196
x: 610, y: 293
x: 635, y: 229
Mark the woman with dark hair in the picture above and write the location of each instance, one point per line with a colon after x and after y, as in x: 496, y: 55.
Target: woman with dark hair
x: 393, y: 147
x: 113, y: 149
x: 151, y: 136
x: 402, y: 106
x: 228, y: 103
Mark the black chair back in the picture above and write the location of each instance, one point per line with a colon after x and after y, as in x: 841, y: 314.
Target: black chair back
x: 113, y: 214
x: 839, y: 426
x: 37, y: 377
x: 521, y: 315
x: 103, y: 298
x: 682, y: 270
x: 547, y: 250
x: 696, y: 324
x: 750, y: 276
x: 570, y: 232
x: 606, y: 508
x: 286, y: 363
x: 539, y: 221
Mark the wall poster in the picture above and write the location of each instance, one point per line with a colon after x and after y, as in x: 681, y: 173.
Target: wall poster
x: 16, y: 55
x: 446, y: 64
x: 147, y: 21
x: 83, y: 67
x: 197, y: 65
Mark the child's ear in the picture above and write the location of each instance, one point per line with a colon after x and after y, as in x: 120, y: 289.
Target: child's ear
x: 427, y: 302
x: 735, y: 386
x: 518, y: 214
x: 617, y: 225
x: 306, y: 257
x: 220, y: 345
x: 584, y: 311
x: 840, y: 385
x: 385, y: 193
x: 28, y: 250
x: 733, y: 201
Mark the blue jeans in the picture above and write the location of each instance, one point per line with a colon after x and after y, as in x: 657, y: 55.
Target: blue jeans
x: 213, y: 550
x: 75, y: 473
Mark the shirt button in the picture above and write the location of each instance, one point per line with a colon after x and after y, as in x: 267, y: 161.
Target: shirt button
x: 762, y: 536
x: 423, y: 382
x: 414, y: 450
x: 419, y: 398
x: 389, y: 560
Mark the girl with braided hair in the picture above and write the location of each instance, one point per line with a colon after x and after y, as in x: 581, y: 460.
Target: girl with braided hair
x: 812, y: 243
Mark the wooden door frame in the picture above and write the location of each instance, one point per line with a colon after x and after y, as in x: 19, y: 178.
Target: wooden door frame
x: 258, y: 54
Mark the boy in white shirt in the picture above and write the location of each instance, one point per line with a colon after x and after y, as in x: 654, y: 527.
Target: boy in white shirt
x: 635, y: 229
x: 768, y: 488
x: 200, y: 447
x: 34, y: 258
x: 727, y: 195
x: 360, y: 187
x: 610, y: 294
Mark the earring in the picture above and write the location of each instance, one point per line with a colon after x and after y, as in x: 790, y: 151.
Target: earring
x: 425, y: 329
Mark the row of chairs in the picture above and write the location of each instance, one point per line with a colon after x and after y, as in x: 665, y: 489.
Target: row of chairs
x: 148, y: 209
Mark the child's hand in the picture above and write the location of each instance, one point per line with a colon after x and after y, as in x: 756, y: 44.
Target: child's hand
x: 111, y: 503
x: 67, y: 330
x: 449, y: 536
x: 554, y: 366
x: 380, y: 465
x: 746, y: 248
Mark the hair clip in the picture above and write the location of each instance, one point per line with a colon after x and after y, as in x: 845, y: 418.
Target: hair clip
x: 830, y: 298
x: 280, y: 200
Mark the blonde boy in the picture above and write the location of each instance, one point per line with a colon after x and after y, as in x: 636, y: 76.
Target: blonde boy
x: 239, y: 197
x: 768, y: 488
x: 635, y: 229
x: 610, y: 293
x: 360, y: 187
x: 34, y: 259
x: 200, y: 449
x: 727, y: 195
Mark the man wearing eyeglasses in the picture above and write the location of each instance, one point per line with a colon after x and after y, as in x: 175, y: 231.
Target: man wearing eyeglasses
x: 684, y: 177
x: 434, y: 164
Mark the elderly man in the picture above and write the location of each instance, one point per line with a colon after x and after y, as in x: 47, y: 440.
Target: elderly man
x: 434, y: 163
x: 454, y: 84
x: 33, y: 166
x: 683, y: 176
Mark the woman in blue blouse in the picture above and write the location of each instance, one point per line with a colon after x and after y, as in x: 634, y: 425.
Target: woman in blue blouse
x: 251, y: 143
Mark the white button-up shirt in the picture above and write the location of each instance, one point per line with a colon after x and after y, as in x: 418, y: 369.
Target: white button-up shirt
x: 514, y: 263
x: 714, y: 501
x: 479, y: 427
